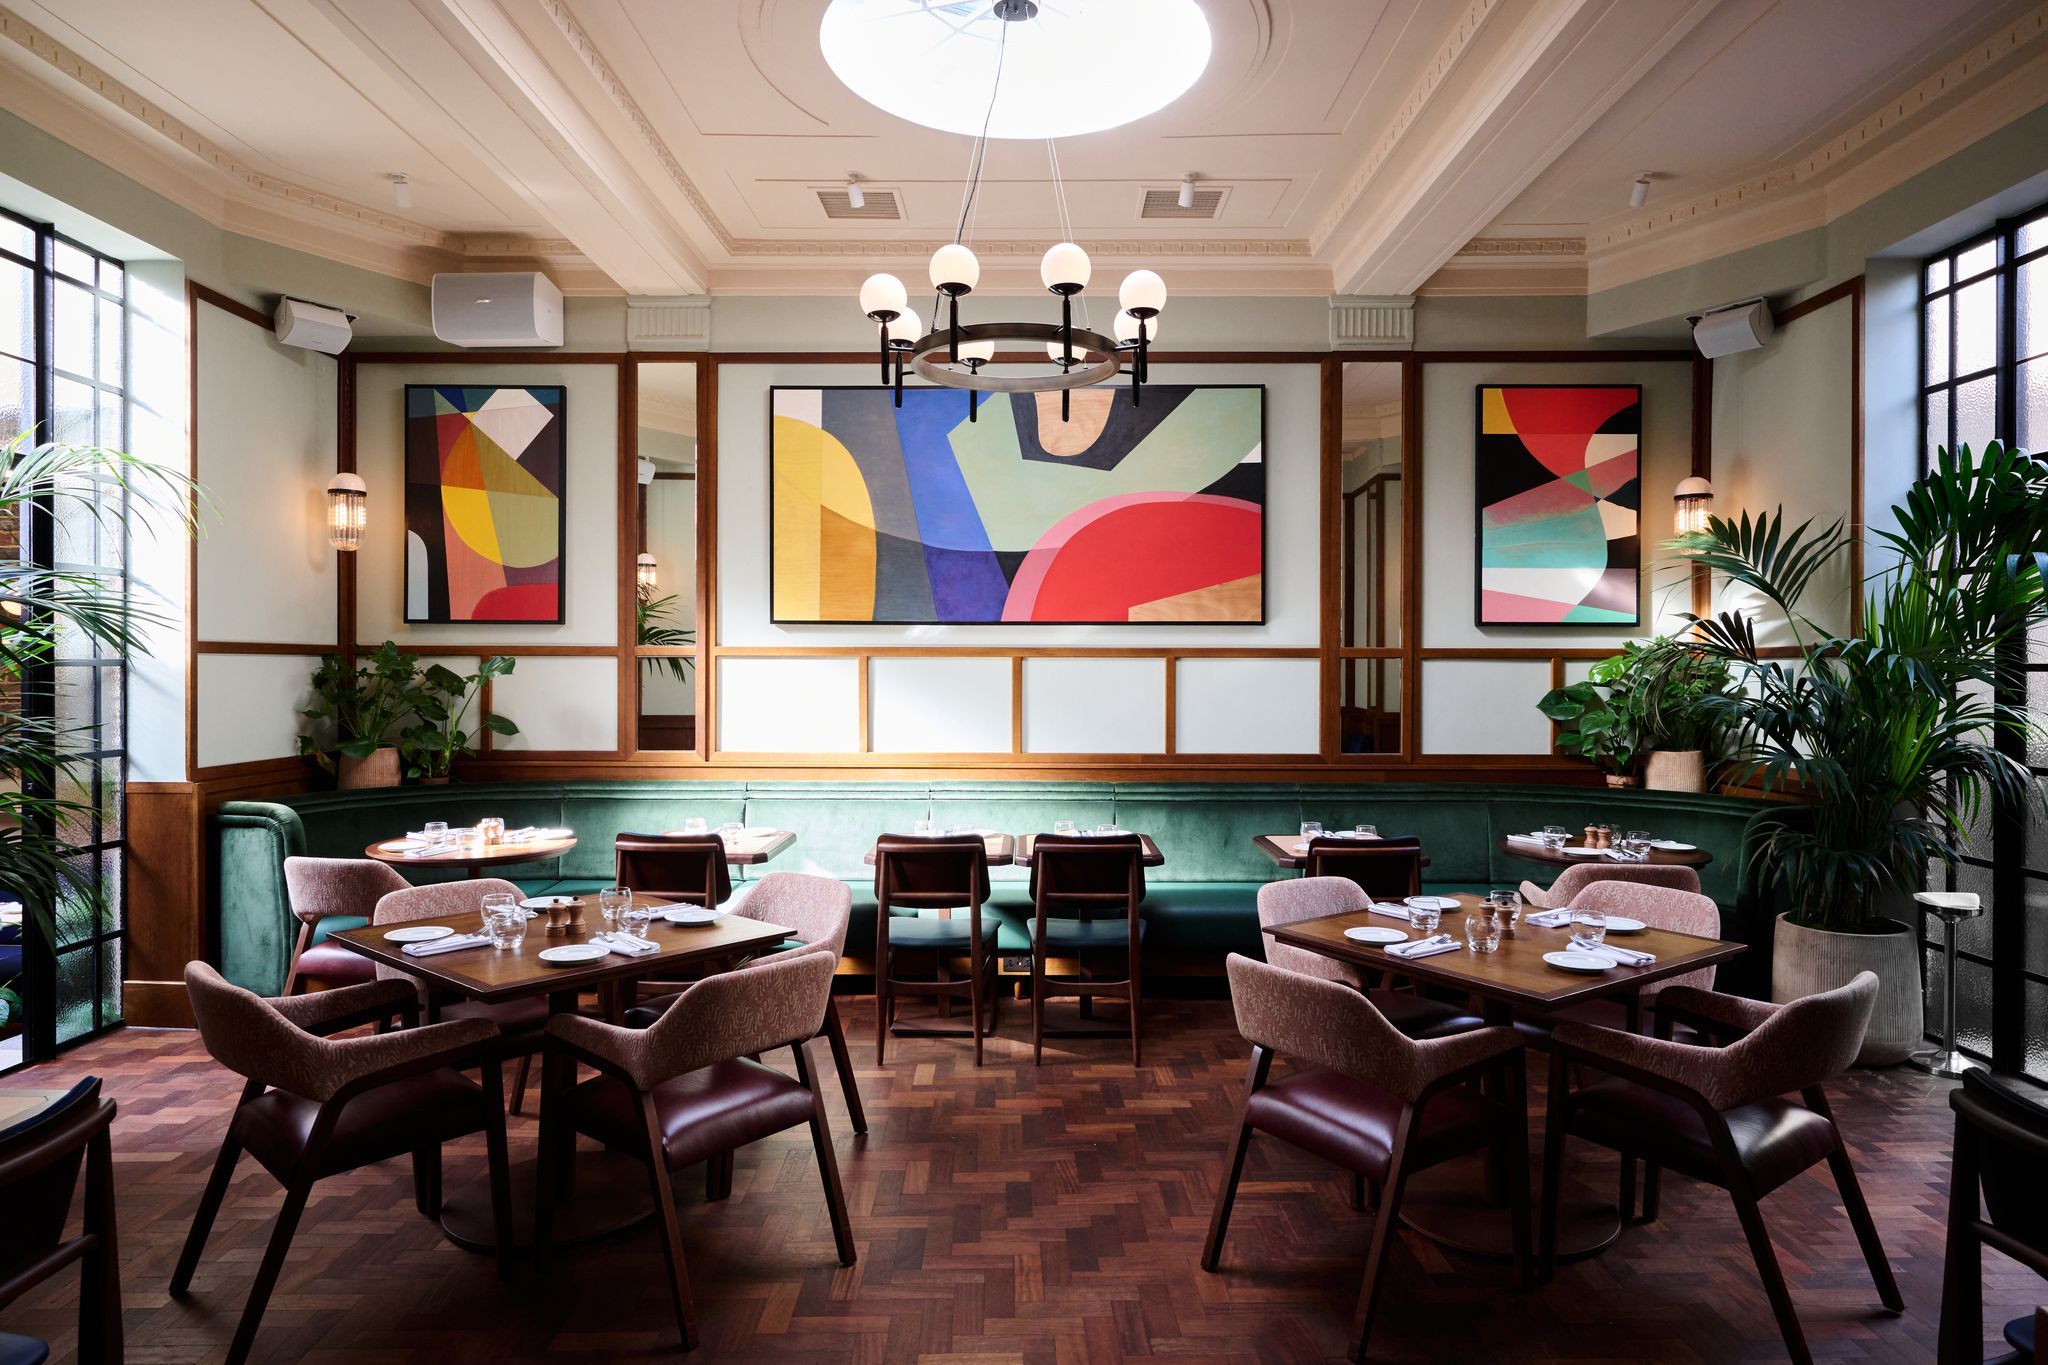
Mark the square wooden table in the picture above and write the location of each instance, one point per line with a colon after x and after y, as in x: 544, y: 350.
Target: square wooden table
x: 1001, y: 848
x: 611, y: 1192
x: 751, y: 850
x: 1149, y: 854
x: 1447, y: 1204
x: 1281, y: 849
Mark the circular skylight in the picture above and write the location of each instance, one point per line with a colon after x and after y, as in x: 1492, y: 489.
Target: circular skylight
x: 1077, y: 66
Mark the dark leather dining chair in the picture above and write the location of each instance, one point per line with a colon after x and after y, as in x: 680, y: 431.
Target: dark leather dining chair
x: 1721, y: 1114
x: 316, y: 1106
x: 330, y: 888
x: 688, y: 868
x: 1996, y: 1198
x: 39, y: 1161
x: 686, y: 1088
x: 1085, y: 894
x: 1372, y: 1100
x: 941, y: 874
x: 1386, y: 869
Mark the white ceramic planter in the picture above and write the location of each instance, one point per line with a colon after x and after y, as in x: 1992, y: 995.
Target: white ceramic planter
x: 1675, y: 770
x: 1807, y: 961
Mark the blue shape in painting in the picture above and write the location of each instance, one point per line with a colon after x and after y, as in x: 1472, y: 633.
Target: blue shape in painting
x: 967, y: 580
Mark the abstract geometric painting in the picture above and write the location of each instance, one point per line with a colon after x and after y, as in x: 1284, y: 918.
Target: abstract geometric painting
x: 1558, y: 488
x: 916, y: 515
x: 483, y: 502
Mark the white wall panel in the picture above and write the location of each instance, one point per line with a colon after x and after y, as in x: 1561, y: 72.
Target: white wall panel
x: 558, y: 703
x: 1484, y: 706
x: 1291, y: 453
x: 249, y: 705
x: 939, y: 706
x: 1095, y: 706
x: 266, y: 451
x: 788, y: 706
x: 590, y: 495
x: 1247, y: 706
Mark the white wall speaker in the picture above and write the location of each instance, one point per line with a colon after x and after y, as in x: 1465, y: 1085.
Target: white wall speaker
x: 499, y: 308
x: 1744, y: 327
x: 299, y: 323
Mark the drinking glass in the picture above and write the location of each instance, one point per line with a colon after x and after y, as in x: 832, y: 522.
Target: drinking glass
x: 470, y: 840
x: 1555, y: 837
x: 1425, y: 919
x: 1482, y: 930
x: 925, y: 827
x: 695, y: 825
x: 497, y: 901
x: 610, y: 902
x: 1366, y: 831
x: 730, y: 830
x: 1311, y: 829
x: 1064, y: 827
x: 504, y: 921
x: 638, y: 920
x: 435, y: 831
x: 1637, y: 844
x: 1589, y: 926
x: 1107, y: 829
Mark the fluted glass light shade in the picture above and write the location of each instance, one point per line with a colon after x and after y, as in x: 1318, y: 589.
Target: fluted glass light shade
x: 1065, y: 267
x: 645, y: 574
x: 1692, y: 503
x: 1125, y: 329
x: 955, y: 265
x: 348, y: 511
x: 882, y: 294
x: 1142, y: 289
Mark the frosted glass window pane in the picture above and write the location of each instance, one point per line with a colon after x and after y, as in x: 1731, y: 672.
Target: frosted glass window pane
x: 17, y: 307
x: 1977, y: 326
x: 1937, y: 274
x: 1937, y: 421
x: 1977, y: 412
x: 2032, y: 293
x: 1937, y: 340
x: 2030, y: 391
x: 110, y: 342
x: 17, y: 398
x: 2037, y: 924
x: 75, y: 405
x: 1977, y: 259
x: 74, y: 308
x: 2037, y: 1031
x: 79, y: 265
x: 113, y: 278
x: 18, y: 238
x: 2034, y: 235
x: 1974, y: 935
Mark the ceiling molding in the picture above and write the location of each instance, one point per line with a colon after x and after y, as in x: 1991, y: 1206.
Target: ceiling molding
x: 1366, y: 323
x: 1523, y: 246
x: 677, y: 324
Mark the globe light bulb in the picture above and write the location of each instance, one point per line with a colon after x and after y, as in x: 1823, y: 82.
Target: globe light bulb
x: 1142, y: 290
x: 980, y: 352
x: 954, y: 267
x: 904, y: 329
x: 1065, y: 268
x: 1125, y: 329
x: 882, y: 294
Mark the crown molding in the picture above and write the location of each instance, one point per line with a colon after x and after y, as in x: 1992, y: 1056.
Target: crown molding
x: 1523, y: 246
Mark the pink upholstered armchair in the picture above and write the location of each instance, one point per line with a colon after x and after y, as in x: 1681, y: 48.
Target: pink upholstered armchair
x: 1579, y: 876
x: 1290, y: 902
x: 326, y: 888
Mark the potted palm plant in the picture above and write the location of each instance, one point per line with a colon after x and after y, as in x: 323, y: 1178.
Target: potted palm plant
x: 355, y: 711
x: 431, y: 747
x: 1679, y: 734
x: 89, y: 608
x: 1890, y: 734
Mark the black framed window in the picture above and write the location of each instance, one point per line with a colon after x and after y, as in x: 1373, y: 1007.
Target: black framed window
x: 64, y: 369
x: 1984, y: 329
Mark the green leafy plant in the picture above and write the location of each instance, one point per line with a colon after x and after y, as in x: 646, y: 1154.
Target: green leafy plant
x: 71, y: 488
x: 1597, y: 720
x: 649, y: 615
x: 442, y: 707
x: 1890, y: 734
x: 1669, y: 680
x: 355, y: 709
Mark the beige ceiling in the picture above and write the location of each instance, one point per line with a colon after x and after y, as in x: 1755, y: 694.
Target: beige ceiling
x: 678, y: 147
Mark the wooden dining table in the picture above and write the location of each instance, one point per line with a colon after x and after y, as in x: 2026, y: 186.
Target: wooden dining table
x: 611, y: 1188
x: 751, y: 848
x: 472, y: 861
x: 1148, y: 854
x: 1291, y: 850
x: 1542, y: 853
x: 1455, y: 1204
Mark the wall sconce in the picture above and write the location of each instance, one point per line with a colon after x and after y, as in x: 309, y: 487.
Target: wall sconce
x: 348, y: 511
x: 644, y: 574
x: 1692, y: 502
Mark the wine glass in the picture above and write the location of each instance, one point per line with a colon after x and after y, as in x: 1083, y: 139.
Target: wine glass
x: 1365, y: 831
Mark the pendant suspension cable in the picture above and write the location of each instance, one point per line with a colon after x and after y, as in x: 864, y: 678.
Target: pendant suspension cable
x: 976, y: 158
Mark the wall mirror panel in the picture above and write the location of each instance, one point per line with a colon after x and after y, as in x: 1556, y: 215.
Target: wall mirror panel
x: 667, y: 638
x: 1370, y: 555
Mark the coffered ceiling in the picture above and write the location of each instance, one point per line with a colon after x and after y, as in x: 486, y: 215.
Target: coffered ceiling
x: 662, y: 147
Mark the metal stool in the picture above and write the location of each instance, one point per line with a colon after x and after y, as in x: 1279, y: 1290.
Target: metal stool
x: 1950, y: 906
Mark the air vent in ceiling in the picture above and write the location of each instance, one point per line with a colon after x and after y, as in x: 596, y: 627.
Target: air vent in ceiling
x: 1166, y: 204
x: 877, y: 205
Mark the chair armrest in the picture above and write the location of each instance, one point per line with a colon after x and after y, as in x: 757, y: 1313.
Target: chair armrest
x: 621, y: 1048
x: 372, y: 1002
x: 1535, y: 895
x: 1447, y: 1058
x: 1710, y: 1012
x: 1681, y: 1069
x: 358, y: 1064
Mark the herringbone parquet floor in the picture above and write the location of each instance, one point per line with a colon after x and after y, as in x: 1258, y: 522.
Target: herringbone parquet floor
x: 1006, y: 1214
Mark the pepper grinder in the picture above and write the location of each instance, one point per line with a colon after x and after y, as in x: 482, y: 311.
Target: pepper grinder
x: 575, y: 909
x: 1592, y: 839
x: 558, y: 920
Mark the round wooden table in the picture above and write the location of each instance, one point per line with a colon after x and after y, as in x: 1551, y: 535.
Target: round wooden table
x: 473, y: 861
x: 1540, y: 853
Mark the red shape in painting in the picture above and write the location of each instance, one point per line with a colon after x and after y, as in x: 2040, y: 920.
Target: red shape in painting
x: 1510, y: 606
x: 1121, y: 552
x: 1555, y: 423
x: 518, y: 602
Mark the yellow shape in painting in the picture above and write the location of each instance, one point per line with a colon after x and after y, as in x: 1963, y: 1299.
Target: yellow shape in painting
x: 824, y: 528
x: 1494, y: 421
x: 495, y: 504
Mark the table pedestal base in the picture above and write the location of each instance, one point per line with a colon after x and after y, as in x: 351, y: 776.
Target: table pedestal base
x: 610, y: 1196
x: 1449, y: 1206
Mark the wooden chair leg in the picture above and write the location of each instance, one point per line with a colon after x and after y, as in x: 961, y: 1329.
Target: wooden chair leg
x: 100, y: 1336
x: 266, y: 1273
x: 498, y: 1163
x: 975, y: 967
x: 1137, y: 978
x: 1226, y: 1195
x: 1556, y: 1104
x: 1384, y: 1224
x: 1626, y: 1199
x: 554, y: 1155
x: 1517, y: 1134
x: 426, y: 1180
x: 1961, y: 1334
x: 884, y: 992
x: 209, y: 1209
x: 292, y: 977
x: 1768, y: 1271
x: 828, y: 1161
x: 842, y: 1062
x: 670, y: 1229
x: 1358, y: 1192
x: 1866, y: 1230
x: 718, y: 1177
x: 1653, y: 1187
x: 1038, y: 1005
x: 519, y: 1077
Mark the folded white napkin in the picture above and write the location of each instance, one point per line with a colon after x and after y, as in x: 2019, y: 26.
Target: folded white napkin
x: 446, y: 945
x: 1536, y: 839
x: 1614, y: 952
x: 1391, y: 910
x: 626, y: 943
x: 1549, y: 919
x: 431, y: 850
x: 1428, y: 947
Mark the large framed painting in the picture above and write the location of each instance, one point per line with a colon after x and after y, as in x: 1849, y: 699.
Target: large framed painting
x: 922, y: 515
x: 483, y: 502
x: 1558, y: 485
